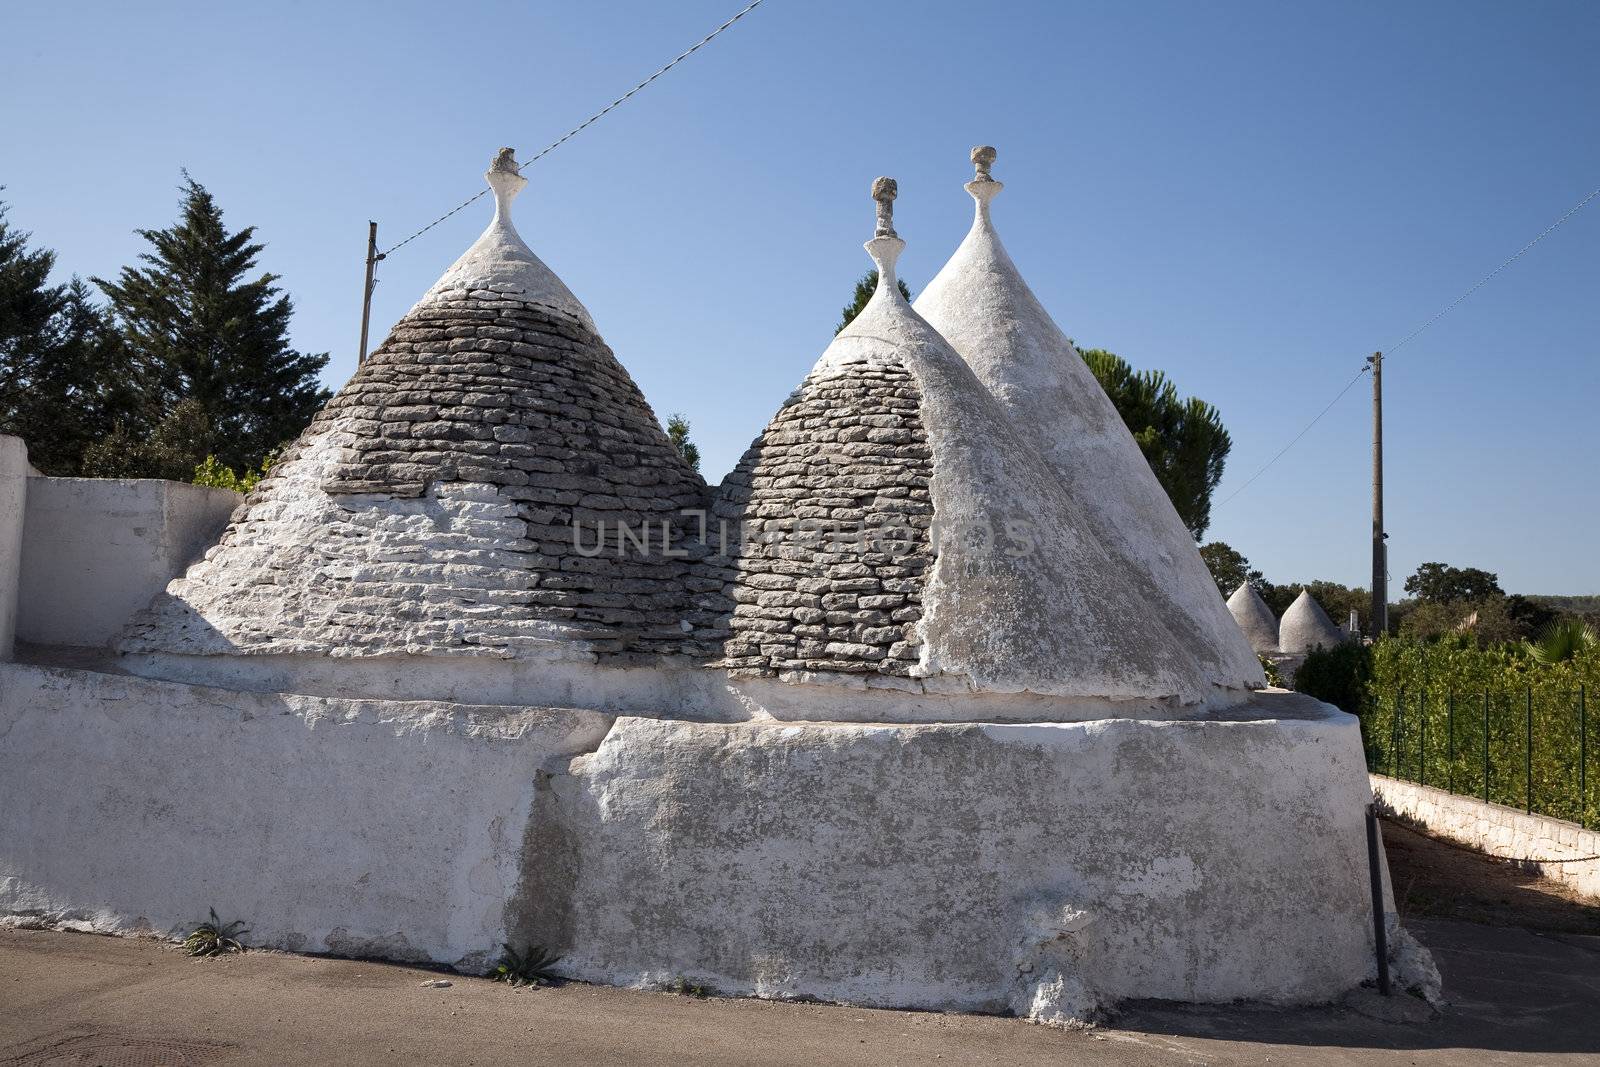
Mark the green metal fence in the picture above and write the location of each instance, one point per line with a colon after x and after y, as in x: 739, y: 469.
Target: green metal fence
x: 1527, y: 749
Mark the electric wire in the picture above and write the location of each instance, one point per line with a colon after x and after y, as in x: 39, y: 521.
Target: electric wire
x: 1546, y: 232
x: 584, y: 124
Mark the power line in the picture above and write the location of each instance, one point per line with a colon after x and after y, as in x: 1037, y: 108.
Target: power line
x: 586, y: 122
x: 1546, y: 232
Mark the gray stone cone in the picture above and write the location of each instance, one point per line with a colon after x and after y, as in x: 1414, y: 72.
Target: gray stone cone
x: 461, y: 495
x: 1306, y: 626
x: 1254, y: 618
x: 980, y: 303
x: 1015, y: 595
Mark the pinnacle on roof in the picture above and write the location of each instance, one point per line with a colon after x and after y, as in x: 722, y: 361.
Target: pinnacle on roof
x: 500, y: 261
x: 1254, y: 618
x: 983, y: 307
x: 939, y: 543
x: 1306, y: 626
x: 464, y: 494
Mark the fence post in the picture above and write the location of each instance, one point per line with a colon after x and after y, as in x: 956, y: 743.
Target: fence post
x: 1450, y: 741
x: 1422, y: 738
x: 1486, y: 746
x: 1583, y: 757
x: 1527, y: 755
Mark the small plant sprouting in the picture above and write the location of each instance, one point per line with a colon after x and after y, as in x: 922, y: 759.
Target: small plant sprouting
x: 685, y: 988
x: 531, y: 967
x: 215, y: 937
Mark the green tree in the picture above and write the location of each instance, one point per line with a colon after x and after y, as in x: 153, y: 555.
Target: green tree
x: 678, y: 434
x: 207, y: 328
x: 64, y: 378
x: 172, y: 449
x: 864, y: 290
x: 1441, y: 583
x: 1230, y: 568
x: 1183, y: 440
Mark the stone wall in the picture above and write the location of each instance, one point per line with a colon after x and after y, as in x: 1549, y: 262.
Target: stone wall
x: 1497, y: 830
x: 96, y: 550
x: 858, y: 863
x: 382, y: 828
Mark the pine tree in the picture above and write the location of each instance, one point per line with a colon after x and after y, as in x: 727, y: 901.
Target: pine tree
x: 202, y: 330
x: 1182, y: 439
x: 678, y: 434
x: 865, y: 287
x: 64, y: 376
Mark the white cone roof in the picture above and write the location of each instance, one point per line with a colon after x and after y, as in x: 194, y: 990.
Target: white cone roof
x: 1061, y: 618
x: 1306, y: 626
x: 1254, y: 618
x: 501, y: 262
x: 980, y: 303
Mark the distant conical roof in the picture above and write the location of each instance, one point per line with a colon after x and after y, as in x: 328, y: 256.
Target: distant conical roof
x: 450, y: 499
x: 1306, y: 626
x: 981, y: 304
x: 1254, y: 618
x: 895, y: 524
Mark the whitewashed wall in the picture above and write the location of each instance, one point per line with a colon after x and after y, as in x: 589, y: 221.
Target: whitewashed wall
x: 13, y: 495
x: 1498, y: 830
x: 95, y: 550
x: 380, y: 828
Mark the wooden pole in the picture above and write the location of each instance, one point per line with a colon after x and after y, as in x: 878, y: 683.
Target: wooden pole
x: 1380, y: 561
x: 366, y: 292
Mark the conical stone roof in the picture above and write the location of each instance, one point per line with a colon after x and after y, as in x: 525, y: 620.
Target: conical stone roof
x: 1306, y: 626
x: 983, y: 307
x: 894, y: 524
x: 1254, y: 618
x: 451, y: 498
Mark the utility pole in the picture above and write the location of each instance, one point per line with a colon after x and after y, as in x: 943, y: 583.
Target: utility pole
x: 366, y: 293
x: 1380, y: 553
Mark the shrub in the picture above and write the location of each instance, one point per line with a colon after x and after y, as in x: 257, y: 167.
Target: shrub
x: 1338, y: 675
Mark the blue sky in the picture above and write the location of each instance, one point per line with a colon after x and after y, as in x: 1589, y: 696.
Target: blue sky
x: 1250, y: 196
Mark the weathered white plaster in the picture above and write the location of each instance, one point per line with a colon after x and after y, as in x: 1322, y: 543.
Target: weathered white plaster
x: 13, y: 497
x: 500, y: 263
x: 1050, y: 869
x: 1254, y: 618
x: 96, y: 550
x: 393, y: 829
x: 1569, y: 852
x: 1306, y: 626
x: 1046, y: 869
x: 674, y: 690
x: 980, y: 303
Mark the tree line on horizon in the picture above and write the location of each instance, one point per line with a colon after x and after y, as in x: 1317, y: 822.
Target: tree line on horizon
x: 187, y: 358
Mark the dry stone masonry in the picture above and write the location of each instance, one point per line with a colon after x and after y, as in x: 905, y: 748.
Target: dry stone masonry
x: 834, y: 507
x: 897, y: 717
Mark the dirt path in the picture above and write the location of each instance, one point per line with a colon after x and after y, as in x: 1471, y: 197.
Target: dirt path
x: 1436, y: 879
x: 1518, y: 997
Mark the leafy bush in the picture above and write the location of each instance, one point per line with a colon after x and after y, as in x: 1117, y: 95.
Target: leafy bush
x: 1338, y: 675
x: 1433, y: 711
x: 211, y: 472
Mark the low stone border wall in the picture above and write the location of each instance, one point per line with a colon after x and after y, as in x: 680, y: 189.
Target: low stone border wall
x: 1497, y: 830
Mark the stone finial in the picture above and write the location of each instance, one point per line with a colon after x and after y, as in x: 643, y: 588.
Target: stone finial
x: 982, y: 160
x: 983, y: 186
x: 505, y: 178
x: 884, y: 190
